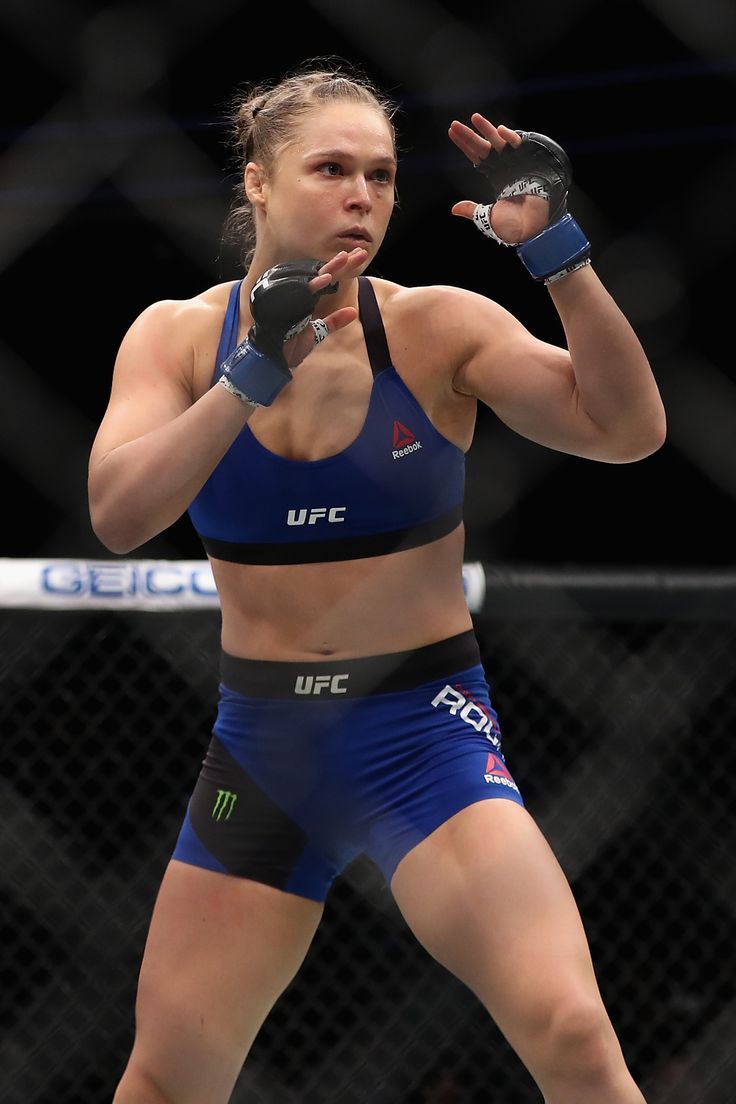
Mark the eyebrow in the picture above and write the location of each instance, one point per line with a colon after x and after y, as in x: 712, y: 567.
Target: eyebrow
x: 339, y: 155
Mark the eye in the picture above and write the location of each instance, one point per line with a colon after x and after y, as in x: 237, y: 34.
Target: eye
x: 383, y: 176
x: 330, y: 168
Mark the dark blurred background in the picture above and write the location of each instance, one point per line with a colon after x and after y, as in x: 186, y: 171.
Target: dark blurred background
x: 617, y: 704
x: 115, y: 180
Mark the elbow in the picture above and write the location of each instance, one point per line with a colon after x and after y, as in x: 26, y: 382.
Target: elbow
x: 655, y: 434
x: 655, y: 429
x: 111, y: 537
x: 118, y: 547
x: 108, y: 525
x: 642, y: 442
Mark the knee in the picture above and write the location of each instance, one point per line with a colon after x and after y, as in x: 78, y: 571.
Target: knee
x: 138, y: 1087
x: 580, y: 1038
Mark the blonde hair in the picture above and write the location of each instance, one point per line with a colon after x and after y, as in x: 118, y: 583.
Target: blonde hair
x: 263, y: 120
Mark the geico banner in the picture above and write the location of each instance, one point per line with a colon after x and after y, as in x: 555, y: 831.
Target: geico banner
x: 107, y: 584
x: 136, y: 584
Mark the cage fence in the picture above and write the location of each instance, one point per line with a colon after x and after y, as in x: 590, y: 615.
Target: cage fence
x: 616, y: 694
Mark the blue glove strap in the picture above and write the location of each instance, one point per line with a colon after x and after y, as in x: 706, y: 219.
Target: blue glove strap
x: 252, y: 376
x: 558, y: 246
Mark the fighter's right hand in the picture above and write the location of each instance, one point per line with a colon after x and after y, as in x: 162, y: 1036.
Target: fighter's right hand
x: 282, y: 302
x: 306, y: 337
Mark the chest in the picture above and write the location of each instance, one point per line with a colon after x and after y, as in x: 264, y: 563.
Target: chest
x: 326, y: 406
x: 320, y: 413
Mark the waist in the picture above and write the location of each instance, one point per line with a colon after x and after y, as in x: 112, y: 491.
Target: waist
x: 352, y: 608
x: 387, y: 673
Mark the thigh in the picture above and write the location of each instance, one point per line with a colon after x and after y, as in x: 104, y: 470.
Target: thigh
x: 220, y: 951
x: 487, y: 898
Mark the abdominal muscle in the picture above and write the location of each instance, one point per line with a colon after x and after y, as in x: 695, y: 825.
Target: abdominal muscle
x: 347, y: 609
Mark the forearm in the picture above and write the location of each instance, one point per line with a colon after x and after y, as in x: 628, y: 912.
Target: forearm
x: 614, y: 381
x: 141, y: 487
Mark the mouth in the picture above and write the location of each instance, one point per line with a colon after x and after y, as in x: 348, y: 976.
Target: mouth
x: 356, y: 235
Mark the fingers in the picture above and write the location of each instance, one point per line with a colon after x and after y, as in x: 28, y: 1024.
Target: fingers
x: 478, y: 143
x: 511, y: 136
x: 320, y: 329
x: 465, y: 208
x: 469, y: 142
x: 345, y: 260
x: 336, y: 321
x: 342, y: 265
x: 323, y: 327
x: 497, y: 136
x: 315, y: 332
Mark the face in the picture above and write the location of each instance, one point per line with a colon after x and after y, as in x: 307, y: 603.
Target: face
x: 332, y: 187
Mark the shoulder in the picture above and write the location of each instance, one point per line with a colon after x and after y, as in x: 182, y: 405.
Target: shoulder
x: 449, y: 320
x: 420, y: 301
x: 179, y: 335
x: 188, y: 316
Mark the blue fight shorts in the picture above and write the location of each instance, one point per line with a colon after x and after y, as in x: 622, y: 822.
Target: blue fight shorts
x: 312, y: 764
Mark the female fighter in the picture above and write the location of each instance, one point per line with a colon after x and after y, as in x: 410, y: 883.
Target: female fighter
x: 314, y: 422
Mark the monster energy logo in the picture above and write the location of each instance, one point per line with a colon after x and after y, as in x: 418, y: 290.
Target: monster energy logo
x: 224, y: 805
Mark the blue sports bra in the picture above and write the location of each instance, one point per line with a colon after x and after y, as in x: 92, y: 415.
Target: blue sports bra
x: 398, y: 485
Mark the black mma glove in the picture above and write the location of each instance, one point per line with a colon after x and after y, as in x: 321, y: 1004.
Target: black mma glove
x: 539, y: 166
x: 281, y: 304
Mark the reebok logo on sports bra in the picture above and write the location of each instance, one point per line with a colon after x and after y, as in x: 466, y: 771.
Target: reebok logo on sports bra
x: 404, y: 441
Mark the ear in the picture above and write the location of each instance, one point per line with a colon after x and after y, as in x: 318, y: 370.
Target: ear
x: 256, y: 184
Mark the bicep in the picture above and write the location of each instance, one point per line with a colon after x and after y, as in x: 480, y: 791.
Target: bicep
x: 530, y: 385
x: 150, y: 384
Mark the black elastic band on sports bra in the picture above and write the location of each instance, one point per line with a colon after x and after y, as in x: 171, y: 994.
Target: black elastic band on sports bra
x: 373, y: 330
x: 345, y: 548
x: 351, y: 678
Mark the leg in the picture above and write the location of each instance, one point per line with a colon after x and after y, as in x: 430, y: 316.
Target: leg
x: 219, y: 953
x: 486, y: 897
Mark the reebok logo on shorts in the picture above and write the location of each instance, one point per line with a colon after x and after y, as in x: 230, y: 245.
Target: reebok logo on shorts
x: 404, y: 441
x: 497, y: 773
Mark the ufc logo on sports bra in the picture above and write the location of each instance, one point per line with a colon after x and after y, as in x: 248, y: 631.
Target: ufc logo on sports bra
x: 315, y: 684
x: 317, y: 513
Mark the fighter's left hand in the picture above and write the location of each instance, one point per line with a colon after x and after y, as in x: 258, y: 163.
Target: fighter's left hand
x: 516, y: 218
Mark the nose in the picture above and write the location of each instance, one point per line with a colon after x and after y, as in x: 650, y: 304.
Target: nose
x: 359, y: 196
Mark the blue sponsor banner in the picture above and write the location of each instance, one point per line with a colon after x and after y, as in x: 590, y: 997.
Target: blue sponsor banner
x: 137, y: 584
x: 115, y: 584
